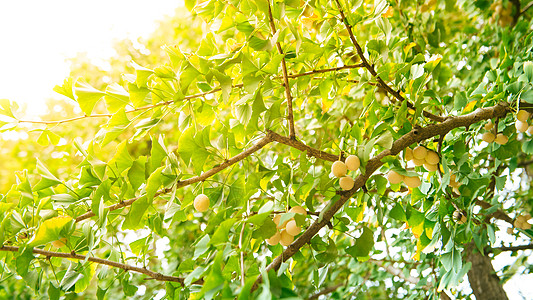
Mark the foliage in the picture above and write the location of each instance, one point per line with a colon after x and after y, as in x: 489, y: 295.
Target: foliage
x: 250, y: 108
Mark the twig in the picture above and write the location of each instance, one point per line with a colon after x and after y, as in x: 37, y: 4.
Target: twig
x: 72, y: 255
x: 290, y: 117
x: 372, y: 71
x: 497, y: 214
x: 414, y: 136
x: 270, y: 137
x: 528, y: 6
x: 511, y: 248
x: 326, y: 291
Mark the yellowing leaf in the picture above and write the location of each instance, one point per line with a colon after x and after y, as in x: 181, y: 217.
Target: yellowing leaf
x: 389, y: 13
x: 408, y: 47
x: 51, y: 230
x: 470, y: 106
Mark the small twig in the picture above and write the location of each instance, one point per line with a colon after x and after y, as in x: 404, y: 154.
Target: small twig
x: 290, y: 117
x: 73, y: 255
x: 526, y: 8
x: 326, y: 291
x: 510, y: 248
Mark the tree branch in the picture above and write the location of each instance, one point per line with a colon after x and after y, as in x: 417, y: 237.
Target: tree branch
x: 290, y: 117
x: 151, y: 274
x: 414, y: 136
x: 372, y: 71
x: 511, y: 248
x: 326, y: 291
x: 497, y: 214
x: 528, y: 6
x: 270, y: 137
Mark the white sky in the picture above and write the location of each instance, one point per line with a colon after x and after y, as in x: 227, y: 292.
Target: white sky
x: 36, y: 37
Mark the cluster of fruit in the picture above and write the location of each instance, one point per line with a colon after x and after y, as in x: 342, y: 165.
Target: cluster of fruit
x: 489, y: 137
x: 286, y: 231
x: 501, y: 13
x: 521, y: 222
x: 339, y: 170
x: 521, y: 122
x: 419, y: 156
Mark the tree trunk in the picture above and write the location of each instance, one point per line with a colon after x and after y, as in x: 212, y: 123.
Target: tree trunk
x: 482, y: 277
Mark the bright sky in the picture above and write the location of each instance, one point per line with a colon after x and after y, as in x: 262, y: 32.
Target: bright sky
x: 37, y: 36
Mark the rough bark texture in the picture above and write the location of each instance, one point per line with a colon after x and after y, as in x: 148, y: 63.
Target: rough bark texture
x: 482, y: 277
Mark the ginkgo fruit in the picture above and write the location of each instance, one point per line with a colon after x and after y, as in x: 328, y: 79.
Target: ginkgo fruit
x: 431, y: 167
x: 201, y: 203
x: 412, y: 182
x: 521, y: 126
x: 489, y: 125
x: 298, y: 210
x: 59, y: 243
x: 418, y: 162
x: 408, y: 154
x: 286, y: 239
x: 274, y: 240
x: 352, y: 162
x: 432, y: 158
x: 394, y: 178
x: 501, y: 139
x: 530, y: 130
x: 292, y: 228
x: 276, y: 220
x: 419, y: 152
x: 338, y: 169
x: 346, y: 183
x: 522, y: 115
x: 488, y: 137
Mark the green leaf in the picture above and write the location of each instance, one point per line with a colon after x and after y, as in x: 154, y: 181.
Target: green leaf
x: 237, y: 192
x: 47, y: 178
x: 116, y: 98
x: 70, y: 278
x: 221, y: 235
x: 66, y: 89
x: 134, y: 219
x: 7, y: 107
x: 363, y: 245
x: 51, y: 230
x: 23, y: 261
x: 398, y: 213
x: 528, y: 70
x: 87, y: 96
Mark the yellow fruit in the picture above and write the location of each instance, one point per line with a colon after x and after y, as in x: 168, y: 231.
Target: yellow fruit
x: 298, y: 210
x: 521, y: 126
x: 286, y: 238
x: 489, y: 125
x: 59, y: 243
x: 407, y: 154
x: 274, y: 240
x: 501, y: 139
x: 418, y: 162
x: 201, y: 203
x: 292, y: 228
x: 522, y: 115
x: 276, y: 220
x: 346, y: 183
x: 412, y: 182
x: 430, y: 167
x: 394, y: 178
x: 419, y: 152
x: 352, y: 162
x: 338, y: 169
x: 488, y: 137
x: 432, y: 158
x: 530, y: 130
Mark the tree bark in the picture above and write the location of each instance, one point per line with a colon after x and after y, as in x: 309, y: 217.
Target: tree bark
x: 482, y: 277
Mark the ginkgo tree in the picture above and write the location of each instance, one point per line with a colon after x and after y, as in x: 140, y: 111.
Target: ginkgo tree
x: 291, y: 149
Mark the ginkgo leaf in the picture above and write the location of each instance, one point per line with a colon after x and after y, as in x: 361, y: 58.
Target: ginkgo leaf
x: 51, y: 230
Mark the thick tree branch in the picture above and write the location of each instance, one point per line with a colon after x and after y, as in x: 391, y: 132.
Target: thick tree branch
x: 114, y: 264
x: 414, y: 136
x: 290, y: 116
x: 372, y: 71
x: 270, y: 137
